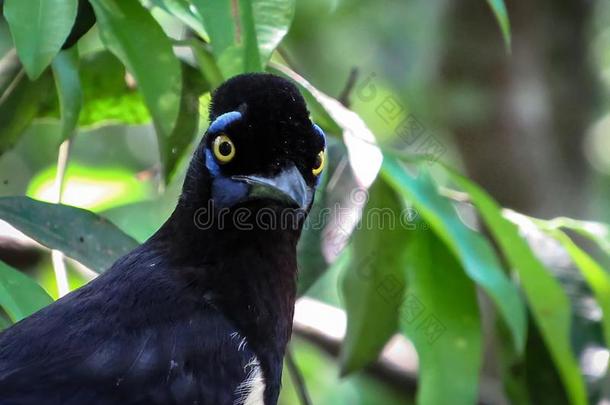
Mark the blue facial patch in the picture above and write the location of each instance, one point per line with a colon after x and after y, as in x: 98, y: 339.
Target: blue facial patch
x: 225, y: 191
x: 211, y: 163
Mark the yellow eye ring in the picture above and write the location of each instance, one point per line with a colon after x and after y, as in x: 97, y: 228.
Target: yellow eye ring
x: 320, y: 163
x: 223, y: 148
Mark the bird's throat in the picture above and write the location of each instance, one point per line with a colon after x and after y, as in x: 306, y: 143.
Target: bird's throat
x: 248, y: 274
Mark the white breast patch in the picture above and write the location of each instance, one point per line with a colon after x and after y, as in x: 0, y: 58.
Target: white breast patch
x: 252, y: 389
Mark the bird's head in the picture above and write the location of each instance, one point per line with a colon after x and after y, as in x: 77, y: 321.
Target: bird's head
x: 261, y: 148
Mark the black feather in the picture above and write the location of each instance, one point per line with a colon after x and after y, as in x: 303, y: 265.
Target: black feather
x: 163, y: 324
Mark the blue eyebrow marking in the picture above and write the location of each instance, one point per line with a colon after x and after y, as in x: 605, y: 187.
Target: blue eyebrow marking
x: 223, y: 120
x: 320, y: 133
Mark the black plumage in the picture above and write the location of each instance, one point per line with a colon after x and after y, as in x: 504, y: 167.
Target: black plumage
x: 190, y: 315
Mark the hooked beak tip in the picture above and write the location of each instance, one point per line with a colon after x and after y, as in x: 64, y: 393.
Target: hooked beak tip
x: 288, y: 187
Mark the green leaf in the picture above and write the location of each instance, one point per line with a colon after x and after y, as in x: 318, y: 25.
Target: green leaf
x: 19, y: 105
x: 475, y: 253
x: 548, y: 302
x: 440, y: 316
x: 597, y: 278
x: 69, y: 91
x: 132, y: 34
x: 272, y: 19
x: 244, y: 33
x: 193, y: 86
x: 499, y: 9
x: 20, y: 296
x: 207, y: 64
x: 182, y: 10
x: 107, y: 98
x: 92, y: 240
x: 39, y: 29
x: 374, y: 282
x: 230, y: 24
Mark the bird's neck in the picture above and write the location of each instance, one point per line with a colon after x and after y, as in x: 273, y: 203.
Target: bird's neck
x: 248, y: 274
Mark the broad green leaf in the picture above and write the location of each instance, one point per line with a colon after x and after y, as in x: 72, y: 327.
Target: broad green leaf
x: 107, y: 98
x: 69, y: 91
x: 597, y: 278
x: 548, y: 302
x: 92, y: 240
x: 193, y: 86
x: 474, y: 252
x: 499, y: 9
x: 133, y: 35
x: 207, y: 64
x: 374, y: 281
x: 272, y: 18
x: 39, y: 29
x: 19, y: 105
x: 440, y: 316
x: 230, y: 24
x: 20, y: 296
x: 182, y: 10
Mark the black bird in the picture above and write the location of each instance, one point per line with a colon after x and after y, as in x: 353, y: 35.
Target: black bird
x: 202, y: 311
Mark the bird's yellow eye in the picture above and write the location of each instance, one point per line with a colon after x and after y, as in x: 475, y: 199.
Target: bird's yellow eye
x: 223, y: 148
x: 318, y: 166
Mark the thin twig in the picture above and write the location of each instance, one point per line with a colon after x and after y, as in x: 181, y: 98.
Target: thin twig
x: 344, y: 97
x: 297, y: 378
x: 455, y: 195
x: 61, y: 275
x: 62, y: 164
x: 9, y: 61
x: 57, y: 256
x: 385, y: 371
x: 284, y: 54
x: 12, y: 86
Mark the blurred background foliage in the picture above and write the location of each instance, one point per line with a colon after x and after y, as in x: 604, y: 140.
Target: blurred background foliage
x: 488, y: 293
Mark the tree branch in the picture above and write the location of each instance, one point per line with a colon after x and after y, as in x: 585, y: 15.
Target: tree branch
x: 344, y: 97
x: 57, y: 256
x: 297, y: 378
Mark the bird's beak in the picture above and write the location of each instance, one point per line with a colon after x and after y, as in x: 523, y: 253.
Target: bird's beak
x: 288, y: 187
